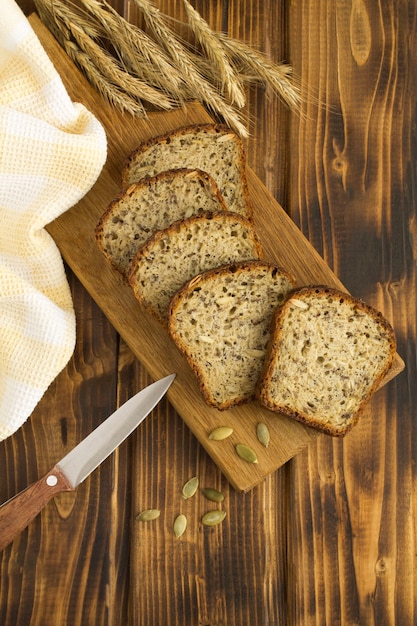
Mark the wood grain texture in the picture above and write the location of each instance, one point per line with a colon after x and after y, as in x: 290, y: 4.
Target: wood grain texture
x: 353, y: 170
x: 45, y: 572
x: 282, y: 244
x: 329, y: 538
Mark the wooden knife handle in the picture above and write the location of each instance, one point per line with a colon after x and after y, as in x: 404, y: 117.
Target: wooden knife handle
x: 19, y: 511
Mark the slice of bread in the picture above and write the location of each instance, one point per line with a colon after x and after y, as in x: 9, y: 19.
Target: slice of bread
x: 174, y: 255
x: 220, y: 321
x: 213, y: 148
x: 150, y: 205
x: 327, y: 356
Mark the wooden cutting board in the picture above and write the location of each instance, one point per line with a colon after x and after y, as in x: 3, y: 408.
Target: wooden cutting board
x: 283, y: 244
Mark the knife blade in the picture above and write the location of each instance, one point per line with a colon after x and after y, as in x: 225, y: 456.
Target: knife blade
x: 17, y: 513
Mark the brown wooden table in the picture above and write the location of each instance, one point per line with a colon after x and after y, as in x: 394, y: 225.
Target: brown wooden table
x: 329, y: 538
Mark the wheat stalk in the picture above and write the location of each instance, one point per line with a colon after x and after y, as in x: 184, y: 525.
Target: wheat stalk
x: 119, y: 99
x: 103, y: 64
x: 156, y: 66
x: 57, y: 13
x: 112, y: 93
x: 256, y: 67
x: 138, y: 53
x: 109, y: 69
x: 199, y: 87
x: 252, y: 66
x: 216, y: 53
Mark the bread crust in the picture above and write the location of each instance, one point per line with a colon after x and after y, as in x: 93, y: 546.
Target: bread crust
x: 265, y: 384
x: 206, y: 128
x: 152, y: 243
x: 196, y: 283
x: 145, y: 185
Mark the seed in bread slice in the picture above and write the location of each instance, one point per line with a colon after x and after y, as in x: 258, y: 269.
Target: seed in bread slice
x: 174, y: 255
x: 213, y: 148
x: 327, y: 356
x: 221, y: 320
x: 150, y: 205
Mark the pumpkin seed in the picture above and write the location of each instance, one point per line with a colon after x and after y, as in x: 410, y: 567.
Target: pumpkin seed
x: 300, y: 304
x: 262, y: 433
x: 222, y: 432
x: 212, y: 494
x: 246, y: 453
x: 211, y: 518
x: 190, y: 488
x: 180, y: 524
x: 206, y: 339
x: 148, y: 515
x: 254, y: 352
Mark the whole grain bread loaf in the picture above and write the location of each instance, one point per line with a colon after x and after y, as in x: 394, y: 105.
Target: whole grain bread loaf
x: 220, y: 321
x: 188, y: 247
x: 150, y: 205
x: 213, y: 148
x: 327, y: 356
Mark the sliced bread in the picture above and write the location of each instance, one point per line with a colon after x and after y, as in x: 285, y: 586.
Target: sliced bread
x: 174, y: 255
x: 327, y: 355
x: 213, y: 148
x: 150, y: 205
x: 220, y: 321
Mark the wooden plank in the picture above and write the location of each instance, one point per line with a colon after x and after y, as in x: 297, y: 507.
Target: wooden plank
x: 351, y: 549
x: 235, y: 574
x: 283, y: 244
x: 54, y: 571
x: 330, y: 537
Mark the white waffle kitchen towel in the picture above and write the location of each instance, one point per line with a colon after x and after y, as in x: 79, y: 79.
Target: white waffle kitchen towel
x: 51, y: 153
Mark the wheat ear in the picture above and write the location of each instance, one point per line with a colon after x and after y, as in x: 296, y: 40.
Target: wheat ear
x: 112, y: 93
x: 216, y: 53
x: 160, y: 69
x: 199, y: 88
x: 138, y: 53
x: 102, y: 68
x: 117, y: 98
x: 256, y: 66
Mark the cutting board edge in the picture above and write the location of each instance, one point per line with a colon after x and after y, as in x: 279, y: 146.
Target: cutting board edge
x: 247, y: 483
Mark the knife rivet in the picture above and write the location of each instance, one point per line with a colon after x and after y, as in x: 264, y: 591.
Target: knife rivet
x: 51, y: 480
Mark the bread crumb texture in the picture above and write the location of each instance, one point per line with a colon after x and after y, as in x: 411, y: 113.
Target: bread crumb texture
x: 173, y: 256
x: 213, y: 148
x: 328, y: 353
x: 150, y: 205
x: 221, y: 321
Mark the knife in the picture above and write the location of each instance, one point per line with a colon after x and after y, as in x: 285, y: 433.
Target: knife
x: 69, y: 472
